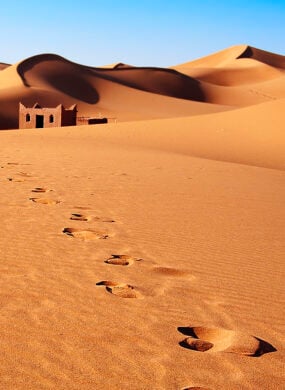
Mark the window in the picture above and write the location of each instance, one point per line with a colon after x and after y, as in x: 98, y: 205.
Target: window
x: 28, y: 118
x: 51, y: 119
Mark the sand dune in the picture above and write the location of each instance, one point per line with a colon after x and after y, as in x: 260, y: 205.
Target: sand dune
x: 206, y: 292
x: 246, y: 72
x: 147, y: 253
x: 253, y: 135
x: 226, y: 57
x: 135, y: 94
x: 3, y: 65
x: 236, y: 77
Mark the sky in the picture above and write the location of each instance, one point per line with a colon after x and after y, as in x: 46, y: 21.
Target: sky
x: 137, y: 32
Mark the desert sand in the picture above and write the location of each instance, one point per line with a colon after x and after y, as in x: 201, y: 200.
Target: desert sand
x: 146, y: 253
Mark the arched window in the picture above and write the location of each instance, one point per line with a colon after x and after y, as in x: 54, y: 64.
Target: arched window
x: 51, y: 119
x: 28, y: 117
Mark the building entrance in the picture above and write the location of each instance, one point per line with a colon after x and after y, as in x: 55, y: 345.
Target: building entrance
x: 39, y: 121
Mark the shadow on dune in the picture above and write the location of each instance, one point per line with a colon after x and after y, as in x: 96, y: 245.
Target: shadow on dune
x: 3, y: 65
x: 79, y: 81
x: 8, y: 123
x: 220, y: 334
x: 162, y: 81
x: 268, y: 58
x: 60, y: 74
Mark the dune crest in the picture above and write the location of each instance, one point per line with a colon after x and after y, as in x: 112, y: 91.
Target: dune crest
x: 239, y: 66
x: 224, y: 57
x: 266, y: 57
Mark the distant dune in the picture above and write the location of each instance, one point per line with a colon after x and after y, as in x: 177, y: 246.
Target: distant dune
x: 3, y: 65
x: 235, y: 77
x: 227, y: 56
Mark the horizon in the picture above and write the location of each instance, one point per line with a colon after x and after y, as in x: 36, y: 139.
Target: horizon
x: 148, y: 34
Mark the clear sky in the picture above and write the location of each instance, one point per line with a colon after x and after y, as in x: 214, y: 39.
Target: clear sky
x: 138, y: 32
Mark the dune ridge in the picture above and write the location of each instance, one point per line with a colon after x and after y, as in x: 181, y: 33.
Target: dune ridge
x: 263, y: 56
x: 228, y: 55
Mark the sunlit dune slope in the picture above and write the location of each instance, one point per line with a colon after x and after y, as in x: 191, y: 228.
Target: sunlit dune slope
x: 253, y: 135
x: 244, y: 70
x: 127, y: 263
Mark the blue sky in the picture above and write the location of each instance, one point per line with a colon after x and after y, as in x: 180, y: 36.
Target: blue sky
x: 145, y: 32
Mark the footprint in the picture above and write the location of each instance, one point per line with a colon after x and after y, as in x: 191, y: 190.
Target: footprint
x: 44, y: 201
x: 169, y: 271
x: 25, y: 174
x: 15, y: 179
x: 16, y: 163
x: 223, y: 340
x: 121, y: 260
x: 195, y: 388
x: 122, y: 290
x: 79, y: 217
x: 19, y: 177
x: 85, y: 235
x: 83, y: 217
x: 40, y: 189
x: 12, y: 165
x: 104, y: 219
x: 197, y: 344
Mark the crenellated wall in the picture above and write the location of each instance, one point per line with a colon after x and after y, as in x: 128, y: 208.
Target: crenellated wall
x: 38, y: 117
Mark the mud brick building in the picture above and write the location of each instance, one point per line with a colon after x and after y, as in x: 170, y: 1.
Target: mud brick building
x: 43, y: 117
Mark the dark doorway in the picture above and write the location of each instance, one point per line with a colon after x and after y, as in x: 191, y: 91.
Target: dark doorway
x: 95, y: 121
x: 39, y: 121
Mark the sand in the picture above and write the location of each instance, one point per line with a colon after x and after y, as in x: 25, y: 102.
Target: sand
x: 147, y: 253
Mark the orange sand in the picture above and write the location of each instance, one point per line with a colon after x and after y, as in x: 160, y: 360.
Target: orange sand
x: 145, y: 254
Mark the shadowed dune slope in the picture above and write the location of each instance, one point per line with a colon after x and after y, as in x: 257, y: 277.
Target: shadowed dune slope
x: 266, y: 57
x: 156, y: 80
x: 115, y: 65
x: 244, y: 68
x: 3, y: 65
x: 48, y: 69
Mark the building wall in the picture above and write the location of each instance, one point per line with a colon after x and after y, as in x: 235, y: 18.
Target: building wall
x: 46, y: 112
x: 68, y: 117
x: 60, y: 116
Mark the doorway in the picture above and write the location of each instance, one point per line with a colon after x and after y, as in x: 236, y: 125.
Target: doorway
x: 39, y: 121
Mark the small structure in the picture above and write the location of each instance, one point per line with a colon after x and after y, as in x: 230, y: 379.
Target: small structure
x: 86, y: 120
x: 40, y: 117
